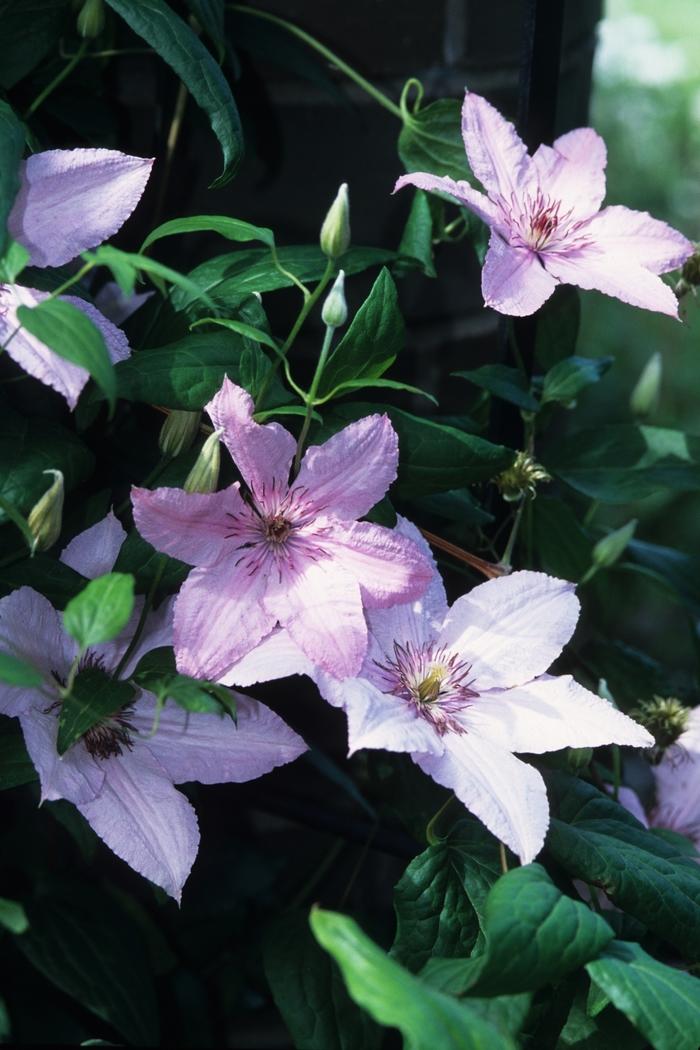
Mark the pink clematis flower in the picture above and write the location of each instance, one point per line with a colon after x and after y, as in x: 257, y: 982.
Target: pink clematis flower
x: 546, y: 226
x: 460, y: 689
x: 274, y: 552
x: 69, y: 201
x: 120, y: 775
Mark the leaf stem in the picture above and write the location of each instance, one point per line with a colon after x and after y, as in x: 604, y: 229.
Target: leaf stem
x: 313, y: 389
x: 147, y: 605
x: 508, y: 552
x: 57, y: 80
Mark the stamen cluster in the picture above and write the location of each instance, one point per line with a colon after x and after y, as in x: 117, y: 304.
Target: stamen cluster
x: 432, y: 679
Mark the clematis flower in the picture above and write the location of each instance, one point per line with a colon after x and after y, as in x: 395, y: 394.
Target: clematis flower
x: 69, y: 201
x: 273, y: 552
x: 120, y: 774
x: 545, y: 219
x: 463, y: 688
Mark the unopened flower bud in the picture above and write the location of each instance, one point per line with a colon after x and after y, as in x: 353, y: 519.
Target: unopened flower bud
x: 521, y: 478
x: 578, y: 759
x: 665, y: 718
x: 178, y: 432
x: 91, y: 19
x: 335, y: 309
x: 335, y: 232
x: 46, y: 516
x: 690, y: 275
x: 644, y: 399
x: 204, y: 476
x: 611, y: 548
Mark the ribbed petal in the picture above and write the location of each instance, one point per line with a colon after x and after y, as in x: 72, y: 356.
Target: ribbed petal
x: 191, y: 526
x: 635, y: 236
x: 572, y: 171
x: 460, y: 191
x: 513, y: 280
x: 388, y: 567
x: 93, y: 552
x: 497, y: 155
x: 616, y: 275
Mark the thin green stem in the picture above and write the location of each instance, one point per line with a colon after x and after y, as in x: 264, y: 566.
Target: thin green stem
x: 508, y: 552
x: 78, y: 276
x: 431, y: 836
x: 591, y: 512
x: 503, y: 858
x: 312, y: 42
x: 70, y: 681
x: 58, y: 79
x: 617, y: 771
x: 148, y: 602
x: 313, y: 389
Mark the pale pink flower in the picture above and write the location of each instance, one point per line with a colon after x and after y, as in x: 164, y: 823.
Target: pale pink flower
x: 546, y: 226
x: 462, y: 688
x: 120, y: 774
x: 677, y: 778
x: 272, y: 551
x: 69, y: 201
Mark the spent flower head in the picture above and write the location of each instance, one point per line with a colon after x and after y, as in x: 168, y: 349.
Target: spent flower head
x: 521, y: 478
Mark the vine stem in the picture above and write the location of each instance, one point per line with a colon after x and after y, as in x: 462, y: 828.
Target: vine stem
x: 504, y: 859
x: 148, y: 602
x: 171, y: 146
x: 312, y: 42
x: 310, y: 397
x: 488, y: 568
x: 57, y: 80
x: 431, y: 835
x: 508, y: 552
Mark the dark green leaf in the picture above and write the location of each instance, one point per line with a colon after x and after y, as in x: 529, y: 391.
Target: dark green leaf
x: 30, y: 29
x: 101, y: 610
x: 16, y: 767
x: 181, y: 48
x: 16, y: 672
x: 417, y: 238
x: 94, y: 697
x: 371, y: 343
x: 210, y: 15
x: 507, y: 383
x: 633, y: 675
x: 309, y: 991
x: 126, y: 267
x: 562, y: 546
x: 431, y: 140
x: 231, y: 229
x: 144, y: 562
x: 27, y: 449
x: 595, y: 839
x: 565, y: 380
x: 258, y: 335
x: 157, y: 673
x: 557, y: 326
x: 56, y: 581
x: 661, y: 1001
x: 426, y: 1018
x: 11, y: 149
x: 72, y: 335
x: 13, y: 916
x: 679, y: 571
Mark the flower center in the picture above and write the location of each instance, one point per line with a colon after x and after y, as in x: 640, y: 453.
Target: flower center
x: 432, y: 680
x: 109, y: 737
x: 543, y: 226
x: 277, y: 528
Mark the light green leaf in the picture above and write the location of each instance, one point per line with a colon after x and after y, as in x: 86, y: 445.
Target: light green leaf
x: 231, y: 229
x: 565, y: 380
x: 417, y: 237
x: 13, y: 916
x: 94, y: 697
x: 101, y: 610
x: 181, y: 48
x: 16, y: 672
x: 126, y: 266
x: 13, y: 262
x: 157, y: 673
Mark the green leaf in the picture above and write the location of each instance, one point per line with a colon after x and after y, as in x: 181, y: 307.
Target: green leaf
x: 439, y: 898
x: 72, y: 335
x: 11, y: 149
x: 557, y: 326
x: 157, y: 673
x: 94, y: 697
x: 562, y: 546
x: 87, y: 945
x: 13, y: 916
x: 231, y: 229
x: 145, y: 563
x: 565, y: 380
x: 417, y: 238
x: 30, y: 29
x: 210, y: 15
x: 371, y: 343
x: 431, y: 140
x: 13, y: 262
x: 241, y: 328
x: 16, y: 767
x: 309, y: 991
x: 595, y: 839
x: 381, y: 384
x: 432, y: 457
x: 181, y: 48
x: 126, y: 267
x: 426, y: 1018
x: 56, y: 581
x: 16, y: 672
x: 677, y: 570
x: 101, y: 610
x: 533, y: 935
x: 507, y: 383
x: 617, y: 463
x: 11, y: 512
x: 661, y: 1001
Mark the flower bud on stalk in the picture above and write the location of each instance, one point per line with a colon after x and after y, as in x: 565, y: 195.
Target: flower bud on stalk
x: 204, y: 476
x: 335, y: 232
x: 46, y: 516
x: 178, y: 432
x: 521, y: 478
x: 91, y: 19
x: 335, y: 309
x: 611, y: 548
x: 644, y: 399
x: 665, y: 717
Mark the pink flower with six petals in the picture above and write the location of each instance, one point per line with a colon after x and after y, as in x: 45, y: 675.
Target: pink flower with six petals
x: 545, y: 219
x: 274, y: 552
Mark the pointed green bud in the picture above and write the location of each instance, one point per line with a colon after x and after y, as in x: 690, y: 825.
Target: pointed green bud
x: 178, y: 432
x: 46, y: 516
x: 644, y: 399
x: 91, y: 20
x: 204, y: 476
x: 335, y: 309
x: 611, y: 548
x: 665, y: 717
x: 335, y: 232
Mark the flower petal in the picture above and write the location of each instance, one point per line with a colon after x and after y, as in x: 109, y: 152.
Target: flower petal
x: 513, y: 280
x: 36, y: 358
x: 351, y: 471
x: 192, y: 526
x: 277, y: 656
x: 388, y: 567
x: 94, y: 551
x: 549, y: 714
x: 322, y: 611
x: 507, y: 795
x: 219, y: 617
x: 213, y: 749
x: 497, y: 155
x: 77, y: 776
x: 461, y: 191
x: 115, y: 305
x: 145, y: 820
x: 677, y: 779
x: 30, y: 628
x: 512, y: 628
x: 636, y: 236
x: 71, y: 200
x: 616, y: 275
x: 573, y: 171
x: 263, y: 454
x: 630, y: 800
